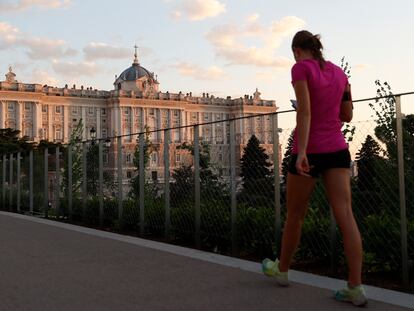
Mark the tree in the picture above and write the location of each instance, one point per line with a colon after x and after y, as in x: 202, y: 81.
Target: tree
x: 287, y: 157
x: 386, y: 132
x: 212, y: 188
x: 10, y: 142
x: 255, y: 173
x: 74, y: 142
x: 369, y: 163
x: 347, y: 130
x: 135, y: 182
x: 182, y: 187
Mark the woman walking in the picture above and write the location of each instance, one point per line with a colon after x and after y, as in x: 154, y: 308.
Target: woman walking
x: 323, y: 102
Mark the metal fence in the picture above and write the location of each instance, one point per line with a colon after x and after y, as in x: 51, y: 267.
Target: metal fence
x: 224, y: 192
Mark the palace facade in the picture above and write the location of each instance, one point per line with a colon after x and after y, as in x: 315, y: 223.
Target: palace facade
x: 42, y: 112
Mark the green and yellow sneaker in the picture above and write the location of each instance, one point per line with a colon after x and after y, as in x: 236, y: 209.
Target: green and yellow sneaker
x: 356, y: 295
x: 271, y: 268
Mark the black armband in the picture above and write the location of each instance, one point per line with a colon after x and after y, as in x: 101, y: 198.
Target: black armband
x: 346, y: 96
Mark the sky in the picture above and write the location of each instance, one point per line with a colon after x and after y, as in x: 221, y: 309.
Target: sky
x: 220, y: 47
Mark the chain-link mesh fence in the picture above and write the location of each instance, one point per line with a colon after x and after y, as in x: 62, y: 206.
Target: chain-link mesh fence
x: 233, y: 199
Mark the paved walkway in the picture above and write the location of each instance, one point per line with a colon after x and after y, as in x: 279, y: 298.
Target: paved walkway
x: 52, y: 266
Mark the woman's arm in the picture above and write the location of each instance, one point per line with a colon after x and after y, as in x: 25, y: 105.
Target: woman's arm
x: 345, y: 114
x: 303, y: 115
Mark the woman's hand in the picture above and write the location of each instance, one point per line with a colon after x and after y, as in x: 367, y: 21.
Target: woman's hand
x: 302, y: 165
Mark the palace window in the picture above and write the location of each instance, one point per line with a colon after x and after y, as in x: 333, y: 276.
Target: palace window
x: 58, y: 134
x: 90, y: 110
x: 178, y: 158
x: 58, y: 109
x: 176, y: 113
x: 10, y: 107
x: 75, y: 110
x: 153, y: 159
x: 103, y: 111
x: 28, y: 132
x: 44, y: 108
x: 27, y: 106
x: 128, y: 158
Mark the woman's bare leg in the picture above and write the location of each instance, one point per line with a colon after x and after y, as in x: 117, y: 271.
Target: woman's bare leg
x: 299, y: 190
x: 338, y: 189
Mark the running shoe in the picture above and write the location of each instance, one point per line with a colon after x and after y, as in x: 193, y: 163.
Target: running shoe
x: 356, y: 295
x: 271, y: 268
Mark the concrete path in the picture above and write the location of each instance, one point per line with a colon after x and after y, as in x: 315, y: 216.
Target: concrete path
x: 46, y: 267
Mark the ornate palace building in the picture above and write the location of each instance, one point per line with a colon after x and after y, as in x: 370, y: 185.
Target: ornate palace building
x: 42, y: 112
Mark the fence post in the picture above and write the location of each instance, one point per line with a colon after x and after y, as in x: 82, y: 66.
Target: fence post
x: 333, y: 242
x: 167, y: 182
x: 141, y: 184
x: 197, y: 186
x: 70, y: 181
x: 120, y: 178
x: 18, y: 182
x: 11, y: 182
x: 84, y: 180
x: 31, y: 189
x: 276, y: 169
x: 46, y: 182
x: 3, y: 182
x: 401, y: 185
x: 233, y: 199
x: 57, y: 184
x: 100, y: 170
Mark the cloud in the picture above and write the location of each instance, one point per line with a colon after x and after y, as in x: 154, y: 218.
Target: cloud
x: 265, y: 76
x: 197, y: 10
x: 37, y: 48
x: 97, y: 50
x: 200, y: 73
x: 71, y: 69
x: 20, y: 5
x: 43, y: 77
x: 233, y: 42
x: 360, y: 67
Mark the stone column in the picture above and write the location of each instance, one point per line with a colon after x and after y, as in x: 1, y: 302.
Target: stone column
x: 132, y: 120
x: 199, y: 120
x: 19, y: 117
x: 118, y: 118
x: 35, y: 123
x: 143, y: 119
x: 182, y: 123
x: 83, y: 113
x: 50, y: 123
x: 158, y: 116
x: 189, y: 120
x: 98, y: 122
x: 66, y: 124
x: 242, y: 134
x: 2, y: 114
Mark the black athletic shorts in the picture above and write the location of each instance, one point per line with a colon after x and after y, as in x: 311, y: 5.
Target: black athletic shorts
x: 319, y: 162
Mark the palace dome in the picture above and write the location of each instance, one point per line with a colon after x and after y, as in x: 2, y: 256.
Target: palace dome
x: 134, y: 72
